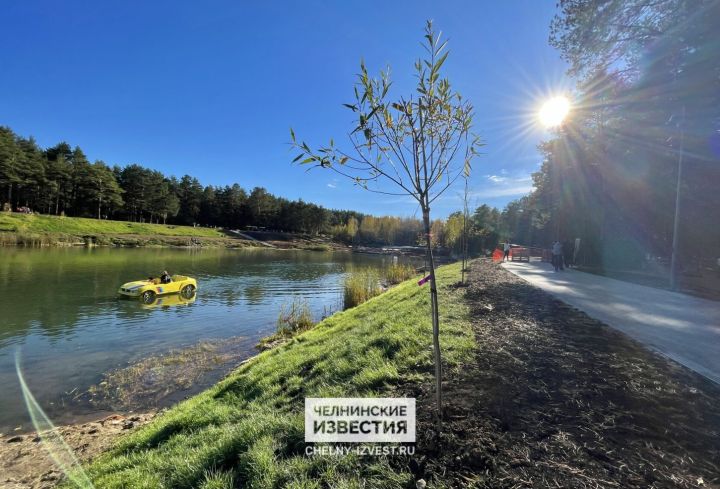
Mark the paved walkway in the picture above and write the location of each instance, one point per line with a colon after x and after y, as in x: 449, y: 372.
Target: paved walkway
x: 684, y: 328
x: 250, y: 238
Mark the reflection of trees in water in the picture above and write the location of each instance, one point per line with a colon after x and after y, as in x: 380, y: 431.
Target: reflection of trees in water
x: 56, y: 289
x: 254, y: 294
x: 231, y: 296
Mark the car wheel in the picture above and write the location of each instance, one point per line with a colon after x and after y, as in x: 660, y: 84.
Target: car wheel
x: 148, y: 296
x: 188, y: 291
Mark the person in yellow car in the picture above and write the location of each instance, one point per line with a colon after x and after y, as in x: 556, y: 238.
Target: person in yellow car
x: 151, y: 287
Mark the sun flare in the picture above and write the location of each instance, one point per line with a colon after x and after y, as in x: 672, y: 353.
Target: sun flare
x: 554, y: 111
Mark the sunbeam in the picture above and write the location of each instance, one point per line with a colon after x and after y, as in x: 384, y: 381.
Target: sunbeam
x: 50, y: 438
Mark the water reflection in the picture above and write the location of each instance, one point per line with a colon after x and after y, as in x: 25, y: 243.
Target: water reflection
x: 169, y: 300
x: 60, y: 307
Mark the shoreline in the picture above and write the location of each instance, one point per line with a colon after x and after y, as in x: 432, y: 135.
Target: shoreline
x: 27, y: 464
x: 38, y: 230
x: 25, y: 460
x: 62, y: 240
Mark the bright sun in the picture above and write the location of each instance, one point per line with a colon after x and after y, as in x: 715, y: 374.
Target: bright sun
x: 554, y: 111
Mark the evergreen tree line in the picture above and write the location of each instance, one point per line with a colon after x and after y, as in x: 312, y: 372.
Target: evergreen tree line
x: 60, y: 180
x: 647, y: 104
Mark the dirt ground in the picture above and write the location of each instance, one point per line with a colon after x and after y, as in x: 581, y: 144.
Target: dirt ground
x: 27, y: 465
x: 554, y: 398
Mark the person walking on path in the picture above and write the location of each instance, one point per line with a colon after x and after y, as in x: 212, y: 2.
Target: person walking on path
x: 506, y: 250
x: 557, y: 256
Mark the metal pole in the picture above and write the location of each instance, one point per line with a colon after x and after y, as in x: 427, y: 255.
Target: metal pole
x: 676, y: 223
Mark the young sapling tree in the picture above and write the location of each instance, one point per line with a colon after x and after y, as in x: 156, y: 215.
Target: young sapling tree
x: 416, y: 145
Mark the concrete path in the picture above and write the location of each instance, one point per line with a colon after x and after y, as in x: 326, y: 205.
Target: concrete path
x: 242, y: 235
x: 684, y: 328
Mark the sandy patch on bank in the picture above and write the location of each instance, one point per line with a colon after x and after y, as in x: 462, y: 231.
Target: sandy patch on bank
x: 26, y: 464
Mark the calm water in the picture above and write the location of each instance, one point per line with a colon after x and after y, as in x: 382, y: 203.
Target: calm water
x: 59, y: 308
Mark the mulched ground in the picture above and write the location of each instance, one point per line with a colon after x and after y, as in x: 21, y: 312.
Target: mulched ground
x: 557, y: 399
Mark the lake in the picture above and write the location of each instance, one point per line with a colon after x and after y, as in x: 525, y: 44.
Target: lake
x: 59, y: 308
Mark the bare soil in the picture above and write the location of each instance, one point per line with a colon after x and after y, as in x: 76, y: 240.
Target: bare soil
x: 27, y: 465
x: 554, y: 398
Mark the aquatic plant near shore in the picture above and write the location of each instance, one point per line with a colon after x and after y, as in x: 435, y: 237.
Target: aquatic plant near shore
x: 397, y: 273
x: 360, y: 286
x: 294, y: 317
x: 150, y: 381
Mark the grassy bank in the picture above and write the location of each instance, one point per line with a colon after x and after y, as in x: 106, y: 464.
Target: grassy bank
x: 23, y: 223
x: 37, y: 230
x: 247, y: 431
x: 41, y: 230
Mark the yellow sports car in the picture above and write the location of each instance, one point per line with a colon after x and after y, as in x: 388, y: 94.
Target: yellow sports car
x: 148, y: 290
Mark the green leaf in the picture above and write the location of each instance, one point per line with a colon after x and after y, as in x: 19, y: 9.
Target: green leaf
x: 440, y: 62
x: 372, y: 113
x: 292, y: 134
x: 298, y: 158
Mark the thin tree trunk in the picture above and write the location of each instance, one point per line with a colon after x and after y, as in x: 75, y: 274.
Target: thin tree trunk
x: 435, y: 316
x: 464, y: 243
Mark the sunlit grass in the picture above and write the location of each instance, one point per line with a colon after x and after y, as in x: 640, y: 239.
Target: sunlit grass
x: 27, y: 224
x: 247, y: 431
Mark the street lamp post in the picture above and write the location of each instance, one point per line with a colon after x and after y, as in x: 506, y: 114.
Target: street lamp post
x: 678, y: 201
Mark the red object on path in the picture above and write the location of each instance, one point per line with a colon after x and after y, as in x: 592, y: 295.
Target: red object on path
x: 497, y: 255
x: 423, y: 280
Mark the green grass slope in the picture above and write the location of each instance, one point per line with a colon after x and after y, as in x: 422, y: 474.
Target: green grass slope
x: 247, y: 431
x: 35, y: 224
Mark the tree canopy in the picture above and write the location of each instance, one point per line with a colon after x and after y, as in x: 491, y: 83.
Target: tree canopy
x: 648, y: 95
x: 61, y: 180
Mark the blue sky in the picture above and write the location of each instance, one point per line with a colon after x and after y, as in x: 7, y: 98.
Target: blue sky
x: 211, y: 88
